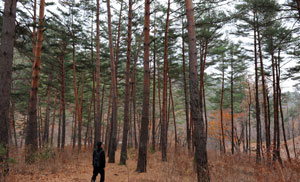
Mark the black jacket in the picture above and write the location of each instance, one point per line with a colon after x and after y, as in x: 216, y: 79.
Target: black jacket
x: 102, y: 157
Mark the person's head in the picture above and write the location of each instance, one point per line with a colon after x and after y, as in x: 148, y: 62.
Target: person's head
x: 99, y: 144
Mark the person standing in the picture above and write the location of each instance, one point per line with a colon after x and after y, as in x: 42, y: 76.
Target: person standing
x: 98, y: 162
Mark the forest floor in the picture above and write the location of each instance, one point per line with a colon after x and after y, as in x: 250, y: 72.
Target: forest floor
x: 69, y: 166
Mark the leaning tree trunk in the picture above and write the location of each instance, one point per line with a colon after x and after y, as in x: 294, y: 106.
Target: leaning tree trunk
x: 142, y: 156
x: 6, y: 61
x: 31, y: 131
x: 114, y: 121
x: 196, y: 100
x: 123, y: 156
x: 164, y: 128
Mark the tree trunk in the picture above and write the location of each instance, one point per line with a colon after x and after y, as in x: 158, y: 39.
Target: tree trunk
x: 154, y: 88
x: 186, y: 102
x: 13, y: 121
x: 133, y: 91
x: 142, y: 156
x: 231, y: 105
x: 80, y: 112
x: 31, y: 134
x: 114, y: 121
x: 196, y: 100
x: 59, y: 126
x: 108, y: 126
x: 164, y: 128
x: 173, y: 107
x: 53, y: 120
x: 63, y: 99
x: 123, y: 156
x: 6, y: 62
x: 221, y: 108
x: 97, y: 123
x: 293, y: 133
x: 47, y: 118
x: 280, y: 106
x: 268, y: 140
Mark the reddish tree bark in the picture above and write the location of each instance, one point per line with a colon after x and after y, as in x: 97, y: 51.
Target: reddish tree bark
x: 142, y: 156
x: 164, y: 128
x: 31, y: 131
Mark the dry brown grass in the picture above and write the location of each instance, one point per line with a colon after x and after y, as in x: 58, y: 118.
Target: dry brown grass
x: 70, y: 166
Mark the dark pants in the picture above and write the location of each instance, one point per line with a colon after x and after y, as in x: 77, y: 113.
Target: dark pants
x: 95, y: 173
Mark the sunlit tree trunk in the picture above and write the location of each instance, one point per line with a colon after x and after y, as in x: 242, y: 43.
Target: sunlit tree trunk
x: 31, y: 143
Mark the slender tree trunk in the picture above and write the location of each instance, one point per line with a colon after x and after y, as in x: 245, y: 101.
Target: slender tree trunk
x: 63, y: 99
x: 87, y: 132
x: 154, y: 88
x: 108, y: 125
x: 164, y: 128
x: 59, y: 126
x: 231, y: 105
x: 275, y: 106
x: 173, y: 107
x: 196, y: 100
x: 133, y: 94
x: 257, y: 108
x: 123, y: 156
x: 280, y: 106
x: 114, y: 121
x: 249, y: 119
x: 142, y: 156
x: 47, y: 118
x: 293, y: 133
x: 31, y: 134
x: 221, y: 108
x: 40, y: 124
x: 80, y: 112
x: 14, y: 122
x: 188, y: 131
x: 97, y: 123
x: 53, y: 120
x: 34, y: 28
x: 268, y: 140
